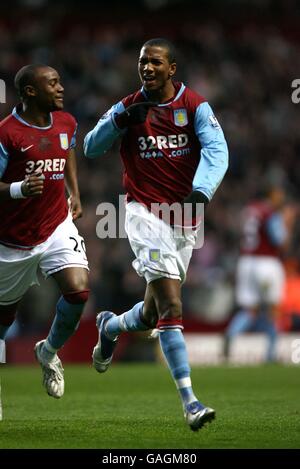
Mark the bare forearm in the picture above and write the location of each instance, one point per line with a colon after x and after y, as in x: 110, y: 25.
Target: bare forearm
x: 72, y: 186
x: 4, y: 191
x: 71, y: 174
x: 31, y: 186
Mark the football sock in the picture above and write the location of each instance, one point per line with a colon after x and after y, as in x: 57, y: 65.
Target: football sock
x: 272, y: 336
x: 240, y: 323
x: 128, y: 321
x: 2, y: 351
x: 174, y: 349
x: 64, y: 325
x: 47, y: 351
x: 268, y: 327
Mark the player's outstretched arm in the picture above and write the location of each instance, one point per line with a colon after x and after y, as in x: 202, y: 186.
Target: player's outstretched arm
x: 113, y: 124
x: 103, y: 135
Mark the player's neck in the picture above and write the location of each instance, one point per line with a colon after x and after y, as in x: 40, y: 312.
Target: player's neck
x: 164, y: 94
x: 35, y: 116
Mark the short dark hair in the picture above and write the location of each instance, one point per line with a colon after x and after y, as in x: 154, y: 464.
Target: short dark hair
x: 26, y: 76
x: 165, y: 44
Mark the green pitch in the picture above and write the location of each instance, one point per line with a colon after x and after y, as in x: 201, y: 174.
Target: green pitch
x: 136, y: 406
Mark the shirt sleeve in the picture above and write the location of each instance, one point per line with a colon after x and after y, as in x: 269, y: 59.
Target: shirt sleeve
x: 276, y: 229
x: 73, y: 139
x: 214, y: 151
x: 103, y: 135
x: 4, y: 157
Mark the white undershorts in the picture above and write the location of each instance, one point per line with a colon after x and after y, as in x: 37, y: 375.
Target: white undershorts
x: 18, y: 268
x: 160, y: 250
x: 260, y: 279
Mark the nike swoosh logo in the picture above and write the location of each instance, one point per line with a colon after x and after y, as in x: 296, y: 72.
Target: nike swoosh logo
x: 26, y: 148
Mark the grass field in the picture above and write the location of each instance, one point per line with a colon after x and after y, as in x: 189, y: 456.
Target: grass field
x: 136, y: 406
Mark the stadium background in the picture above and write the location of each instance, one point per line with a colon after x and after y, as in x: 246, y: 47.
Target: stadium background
x: 242, y: 56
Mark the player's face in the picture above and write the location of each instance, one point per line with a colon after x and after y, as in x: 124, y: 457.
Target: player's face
x: 49, y: 90
x: 154, y: 68
x: 277, y: 197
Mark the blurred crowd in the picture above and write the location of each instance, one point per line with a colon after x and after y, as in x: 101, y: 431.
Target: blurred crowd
x: 244, y: 68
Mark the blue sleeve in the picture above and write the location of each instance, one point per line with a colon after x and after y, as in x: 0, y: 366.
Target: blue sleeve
x: 276, y: 229
x: 4, y: 156
x: 101, y: 138
x: 73, y: 139
x: 214, y: 152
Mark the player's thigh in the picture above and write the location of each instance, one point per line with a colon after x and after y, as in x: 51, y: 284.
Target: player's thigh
x: 182, y: 259
x: 18, y: 272
x: 143, y: 227
x: 186, y: 241
x: 153, y: 244
x: 247, y: 291
x: 66, y: 250
x: 271, y: 278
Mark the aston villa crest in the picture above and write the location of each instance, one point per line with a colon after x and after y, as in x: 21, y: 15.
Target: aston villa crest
x: 154, y: 255
x: 180, y: 117
x: 64, y: 141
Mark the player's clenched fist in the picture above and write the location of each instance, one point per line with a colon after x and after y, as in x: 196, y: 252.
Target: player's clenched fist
x: 33, y: 185
x: 134, y: 114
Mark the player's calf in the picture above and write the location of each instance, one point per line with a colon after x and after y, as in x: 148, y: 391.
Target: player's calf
x: 68, y: 313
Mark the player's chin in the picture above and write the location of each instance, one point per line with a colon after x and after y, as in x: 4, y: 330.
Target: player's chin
x: 58, y: 104
x: 150, y: 85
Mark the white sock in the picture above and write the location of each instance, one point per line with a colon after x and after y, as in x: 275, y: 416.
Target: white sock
x: 2, y: 351
x: 47, y: 351
x: 1, y: 416
x: 184, y: 386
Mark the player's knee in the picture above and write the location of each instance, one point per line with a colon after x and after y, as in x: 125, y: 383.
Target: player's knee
x: 170, y: 308
x: 75, y: 282
x: 7, y: 314
x: 149, y: 318
x: 77, y: 297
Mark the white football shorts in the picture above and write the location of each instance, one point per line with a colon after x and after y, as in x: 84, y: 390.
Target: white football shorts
x: 260, y: 279
x: 160, y: 250
x: 18, y: 269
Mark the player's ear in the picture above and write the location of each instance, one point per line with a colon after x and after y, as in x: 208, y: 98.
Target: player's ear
x: 172, y: 70
x: 29, y: 91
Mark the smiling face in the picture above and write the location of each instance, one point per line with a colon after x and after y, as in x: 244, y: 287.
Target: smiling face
x: 155, y: 70
x: 47, y: 90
